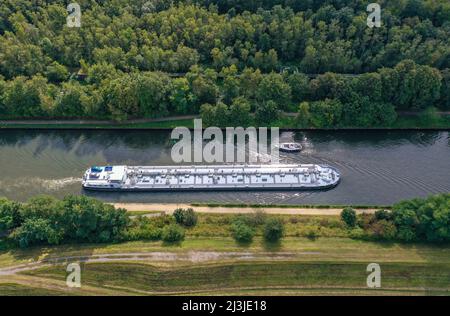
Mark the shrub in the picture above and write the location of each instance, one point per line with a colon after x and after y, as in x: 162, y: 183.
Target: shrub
x: 257, y: 218
x: 273, y: 230
x: 383, y: 229
x: 186, y: 217
x: 178, y: 214
x: 383, y: 215
x: 172, y: 233
x: 9, y: 214
x: 348, y: 215
x: 312, y: 233
x: 190, y: 218
x: 365, y: 220
x: 357, y: 233
x: 242, y: 232
x: 35, y: 231
x: 146, y: 233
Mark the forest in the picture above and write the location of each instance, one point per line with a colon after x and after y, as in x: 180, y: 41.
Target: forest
x: 234, y: 62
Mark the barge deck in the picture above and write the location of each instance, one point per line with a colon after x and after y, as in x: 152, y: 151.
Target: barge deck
x: 211, y: 177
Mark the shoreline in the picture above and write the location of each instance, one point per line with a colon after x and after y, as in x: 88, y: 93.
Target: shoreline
x: 405, y: 121
x: 168, y: 208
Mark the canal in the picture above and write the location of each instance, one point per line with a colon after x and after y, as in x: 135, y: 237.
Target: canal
x: 377, y: 167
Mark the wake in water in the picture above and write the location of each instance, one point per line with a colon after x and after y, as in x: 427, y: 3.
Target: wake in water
x: 33, y: 183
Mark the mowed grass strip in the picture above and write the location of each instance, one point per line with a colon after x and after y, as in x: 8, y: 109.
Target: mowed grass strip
x: 321, y: 249
x: 237, y: 277
x: 13, y: 289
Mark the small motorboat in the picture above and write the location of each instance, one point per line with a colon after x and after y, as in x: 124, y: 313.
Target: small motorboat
x: 290, y: 147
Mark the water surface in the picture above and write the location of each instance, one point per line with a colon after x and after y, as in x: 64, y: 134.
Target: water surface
x: 377, y: 167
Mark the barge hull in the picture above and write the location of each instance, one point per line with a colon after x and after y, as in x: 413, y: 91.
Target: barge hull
x: 211, y: 178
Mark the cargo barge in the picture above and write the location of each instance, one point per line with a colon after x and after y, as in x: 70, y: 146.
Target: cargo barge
x: 211, y: 177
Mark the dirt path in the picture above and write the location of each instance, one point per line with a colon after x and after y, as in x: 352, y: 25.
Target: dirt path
x: 155, y: 256
x: 95, y: 122
x: 170, y: 207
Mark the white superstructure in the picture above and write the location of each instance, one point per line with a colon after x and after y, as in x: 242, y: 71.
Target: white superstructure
x: 211, y: 177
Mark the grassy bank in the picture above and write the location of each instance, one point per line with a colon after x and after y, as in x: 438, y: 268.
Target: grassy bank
x: 286, y: 122
x: 167, y: 124
x: 241, y: 277
x: 295, y: 266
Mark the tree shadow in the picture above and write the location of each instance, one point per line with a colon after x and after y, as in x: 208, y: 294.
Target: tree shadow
x: 272, y: 246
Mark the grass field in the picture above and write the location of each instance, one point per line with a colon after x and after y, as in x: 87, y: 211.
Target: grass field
x: 217, y: 266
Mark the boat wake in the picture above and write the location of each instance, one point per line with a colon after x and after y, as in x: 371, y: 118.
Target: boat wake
x: 46, y: 184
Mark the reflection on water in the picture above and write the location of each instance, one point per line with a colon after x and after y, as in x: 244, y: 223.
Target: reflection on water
x: 378, y: 167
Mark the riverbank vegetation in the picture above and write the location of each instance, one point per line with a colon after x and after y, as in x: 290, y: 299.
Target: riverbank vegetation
x: 333, y: 266
x: 45, y: 220
x: 234, y: 62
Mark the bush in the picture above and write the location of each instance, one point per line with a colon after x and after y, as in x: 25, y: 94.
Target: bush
x: 172, y: 233
x: 242, y: 232
x: 186, y: 217
x: 312, y: 233
x: 357, y: 233
x: 35, y: 231
x: 257, y: 218
x: 383, y: 229
x: 9, y: 214
x: 348, y: 215
x: 383, y: 215
x: 365, y: 220
x: 273, y: 230
x: 145, y: 233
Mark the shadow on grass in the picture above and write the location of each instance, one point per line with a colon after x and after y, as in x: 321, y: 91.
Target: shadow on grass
x: 272, y: 246
x: 172, y: 244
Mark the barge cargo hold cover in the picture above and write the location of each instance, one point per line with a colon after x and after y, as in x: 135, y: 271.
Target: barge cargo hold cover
x: 211, y: 177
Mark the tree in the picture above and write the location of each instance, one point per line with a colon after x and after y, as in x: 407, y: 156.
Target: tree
x: 406, y: 221
x: 26, y: 97
x: 299, y: 84
x: 348, y: 216
x: 230, y: 87
x: 182, y: 100
x: 121, y: 97
x: 102, y: 71
x: 383, y: 229
x: 208, y: 114
x: 85, y: 219
x: 239, y: 112
x: 203, y: 84
x: 152, y: 93
x: 273, y: 230
x: 267, y: 113
x: 273, y: 88
x: 242, y: 232
x: 185, y: 217
x: 56, y: 72
x: 9, y: 214
x: 363, y: 112
x: 303, y: 118
x: 444, y: 103
x: 411, y: 86
x: 70, y: 100
x: 35, y: 231
x: 328, y: 86
x: 172, y: 233
x: 326, y: 114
